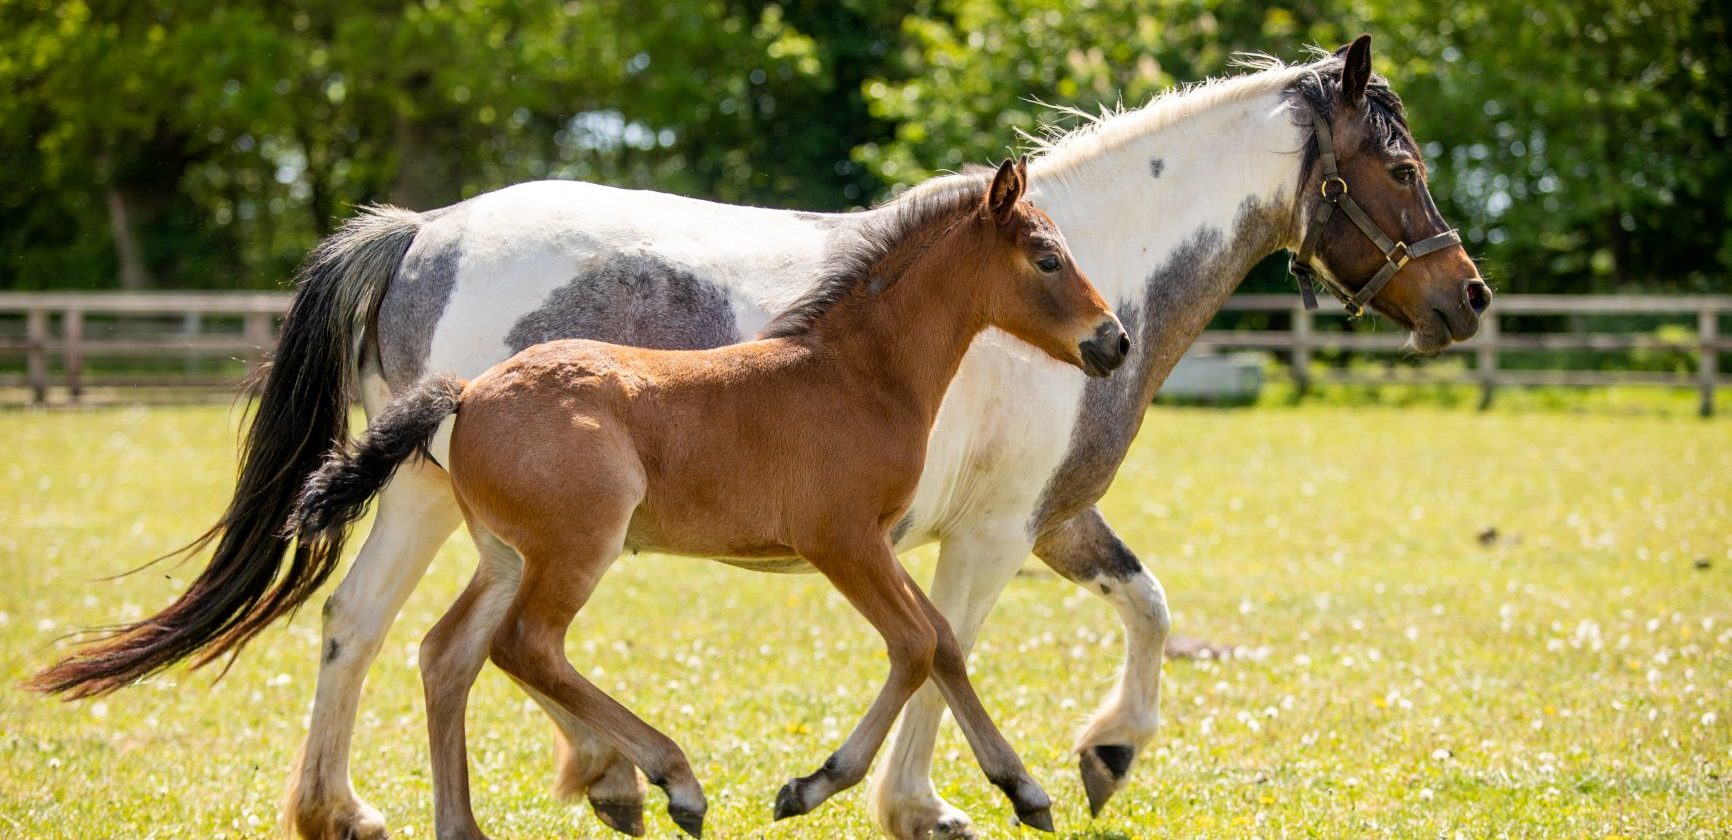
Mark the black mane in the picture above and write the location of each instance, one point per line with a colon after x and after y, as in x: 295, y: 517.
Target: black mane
x: 1321, y: 89
x: 878, y: 233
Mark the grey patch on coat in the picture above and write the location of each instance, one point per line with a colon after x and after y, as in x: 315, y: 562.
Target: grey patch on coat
x: 416, y: 297
x: 1179, y: 298
x: 1084, y: 549
x: 1157, y: 166
x: 638, y: 299
x: 901, y: 528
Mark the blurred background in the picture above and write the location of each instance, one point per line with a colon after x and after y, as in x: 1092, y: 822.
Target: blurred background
x: 1581, y: 145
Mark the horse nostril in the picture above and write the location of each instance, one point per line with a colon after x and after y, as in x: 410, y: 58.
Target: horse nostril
x: 1477, y: 294
x: 1124, y: 344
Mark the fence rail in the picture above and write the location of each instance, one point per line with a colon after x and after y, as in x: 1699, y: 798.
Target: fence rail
x: 57, y: 326
x: 1303, y: 340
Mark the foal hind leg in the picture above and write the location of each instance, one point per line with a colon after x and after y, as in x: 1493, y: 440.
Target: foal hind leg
x: 451, y: 657
x: 590, y: 766
x: 1085, y: 550
x: 416, y: 512
x: 868, y: 575
x: 529, y: 646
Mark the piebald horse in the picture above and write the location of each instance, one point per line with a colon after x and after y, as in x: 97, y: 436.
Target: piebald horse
x: 805, y: 444
x: 1166, y: 206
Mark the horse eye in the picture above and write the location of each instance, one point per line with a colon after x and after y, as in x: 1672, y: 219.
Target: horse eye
x: 1048, y: 263
x: 1406, y: 173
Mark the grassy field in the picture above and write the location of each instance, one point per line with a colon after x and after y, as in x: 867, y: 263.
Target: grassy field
x: 1572, y: 678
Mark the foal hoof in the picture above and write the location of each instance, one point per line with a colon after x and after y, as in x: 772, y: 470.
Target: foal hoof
x: 1103, y: 769
x: 788, y: 801
x: 689, y: 821
x: 625, y: 817
x: 1036, y: 818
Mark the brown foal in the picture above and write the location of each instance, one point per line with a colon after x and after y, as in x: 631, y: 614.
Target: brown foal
x: 807, y: 443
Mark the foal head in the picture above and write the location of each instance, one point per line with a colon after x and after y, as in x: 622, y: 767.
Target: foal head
x: 1029, y: 285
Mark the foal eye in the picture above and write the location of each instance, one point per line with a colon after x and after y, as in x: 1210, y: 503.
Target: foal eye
x: 1406, y: 173
x: 1048, y: 263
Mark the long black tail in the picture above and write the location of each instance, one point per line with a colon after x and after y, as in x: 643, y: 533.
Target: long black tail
x: 302, y: 412
x: 337, y: 493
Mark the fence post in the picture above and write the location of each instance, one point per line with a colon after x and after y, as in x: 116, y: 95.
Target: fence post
x: 258, y: 334
x: 72, y: 330
x: 191, y: 325
x: 1708, y: 367
x: 1301, y: 359
x: 36, y: 358
x: 1486, y: 354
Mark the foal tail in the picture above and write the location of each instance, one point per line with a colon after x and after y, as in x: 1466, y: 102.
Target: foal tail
x: 337, y: 493
x: 302, y: 411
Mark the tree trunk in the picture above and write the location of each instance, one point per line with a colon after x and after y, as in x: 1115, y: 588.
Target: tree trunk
x: 134, y: 275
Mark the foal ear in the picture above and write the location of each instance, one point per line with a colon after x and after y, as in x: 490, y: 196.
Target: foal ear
x: 1005, y: 192
x: 1355, y: 70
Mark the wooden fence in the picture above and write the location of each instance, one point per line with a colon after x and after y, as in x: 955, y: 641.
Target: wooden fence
x: 56, y: 327
x: 1303, y: 339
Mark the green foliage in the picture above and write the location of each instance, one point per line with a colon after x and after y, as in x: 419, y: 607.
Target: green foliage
x: 1581, y: 146
x: 1572, y: 679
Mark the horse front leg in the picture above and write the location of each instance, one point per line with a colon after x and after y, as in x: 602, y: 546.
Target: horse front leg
x: 416, y: 512
x: 974, y: 564
x: 1085, y: 550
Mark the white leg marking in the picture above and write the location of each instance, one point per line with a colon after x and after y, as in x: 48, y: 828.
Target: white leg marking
x: 416, y: 512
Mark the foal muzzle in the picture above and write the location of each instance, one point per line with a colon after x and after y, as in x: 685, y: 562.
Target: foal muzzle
x: 1103, y: 353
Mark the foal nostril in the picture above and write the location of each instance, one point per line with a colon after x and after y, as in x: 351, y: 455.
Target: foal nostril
x: 1477, y: 295
x: 1124, y: 345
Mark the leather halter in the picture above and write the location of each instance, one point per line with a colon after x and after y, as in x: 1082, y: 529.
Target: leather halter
x: 1334, y: 191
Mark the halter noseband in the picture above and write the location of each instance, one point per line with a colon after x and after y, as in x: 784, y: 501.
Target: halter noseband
x: 1334, y: 191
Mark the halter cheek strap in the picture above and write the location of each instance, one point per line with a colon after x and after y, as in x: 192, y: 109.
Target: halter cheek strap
x: 1396, y: 254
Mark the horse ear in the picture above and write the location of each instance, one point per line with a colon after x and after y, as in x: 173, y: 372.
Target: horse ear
x: 1355, y: 70
x: 1005, y: 192
x: 1022, y: 171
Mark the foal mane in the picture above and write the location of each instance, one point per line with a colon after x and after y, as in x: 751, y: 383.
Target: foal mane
x: 889, y: 240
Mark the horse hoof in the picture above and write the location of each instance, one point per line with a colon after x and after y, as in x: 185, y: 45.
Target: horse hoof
x: 1103, y: 770
x: 788, y: 803
x: 689, y: 821
x: 624, y: 817
x: 1036, y: 818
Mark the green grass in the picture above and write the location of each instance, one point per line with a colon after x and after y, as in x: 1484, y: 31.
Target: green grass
x: 1572, y: 680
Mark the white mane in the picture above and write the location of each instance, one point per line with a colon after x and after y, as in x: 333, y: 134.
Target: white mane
x: 1062, y: 150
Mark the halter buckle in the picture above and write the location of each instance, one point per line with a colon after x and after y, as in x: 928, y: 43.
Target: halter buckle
x: 1323, y: 188
x: 1400, y: 248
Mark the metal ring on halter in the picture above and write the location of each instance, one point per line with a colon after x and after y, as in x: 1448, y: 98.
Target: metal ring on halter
x: 1323, y: 188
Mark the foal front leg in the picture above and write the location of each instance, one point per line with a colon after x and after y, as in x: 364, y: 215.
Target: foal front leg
x: 866, y: 572
x: 1085, y: 550
x: 974, y: 564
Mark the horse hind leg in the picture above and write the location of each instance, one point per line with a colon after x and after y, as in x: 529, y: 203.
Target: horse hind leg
x: 558, y: 579
x: 416, y: 512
